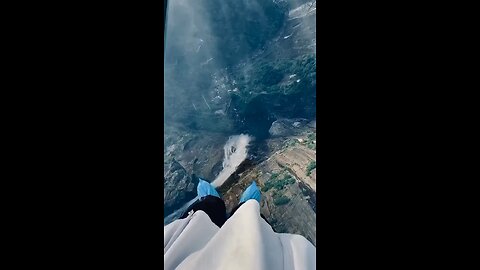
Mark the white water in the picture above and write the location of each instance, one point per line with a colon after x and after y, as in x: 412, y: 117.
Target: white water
x: 235, y: 152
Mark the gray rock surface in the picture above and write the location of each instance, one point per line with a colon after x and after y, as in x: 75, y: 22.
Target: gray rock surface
x: 287, y: 127
x: 179, y: 187
x: 298, y: 215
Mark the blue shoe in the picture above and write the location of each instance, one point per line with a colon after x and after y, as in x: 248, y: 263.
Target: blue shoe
x: 204, y: 189
x: 252, y: 192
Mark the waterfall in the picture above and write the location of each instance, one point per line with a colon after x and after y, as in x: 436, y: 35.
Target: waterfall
x: 235, y: 152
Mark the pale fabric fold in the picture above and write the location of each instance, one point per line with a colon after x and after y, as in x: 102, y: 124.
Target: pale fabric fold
x: 244, y: 242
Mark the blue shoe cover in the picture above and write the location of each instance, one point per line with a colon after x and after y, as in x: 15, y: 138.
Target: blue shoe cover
x: 204, y: 188
x: 252, y: 192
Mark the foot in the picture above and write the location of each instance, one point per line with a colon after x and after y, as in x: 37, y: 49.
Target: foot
x: 204, y: 189
x: 252, y: 192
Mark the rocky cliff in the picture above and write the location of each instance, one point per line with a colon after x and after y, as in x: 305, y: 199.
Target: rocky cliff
x: 265, y: 88
x: 288, y: 183
x: 283, y: 166
x: 178, y: 187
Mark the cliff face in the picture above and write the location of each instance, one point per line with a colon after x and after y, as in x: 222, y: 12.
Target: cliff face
x: 219, y: 87
x: 179, y: 187
x: 212, y: 86
x: 287, y: 181
x: 283, y: 166
x: 189, y: 155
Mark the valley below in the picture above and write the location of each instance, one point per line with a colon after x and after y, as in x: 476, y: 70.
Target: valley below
x: 240, y: 106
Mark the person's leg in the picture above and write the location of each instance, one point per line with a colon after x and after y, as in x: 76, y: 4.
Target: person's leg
x: 251, y: 193
x: 209, y: 202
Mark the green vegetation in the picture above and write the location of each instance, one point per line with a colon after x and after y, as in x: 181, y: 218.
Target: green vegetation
x: 310, y: 142
x: 290, y: 142
x: 266, y: 76
x: 311, y: 145
x: 265, y: 88
x: 274, y: 176
x: 281, y: 200
x: 266, y: 187
x: 278, y: 184
x: 312, y: 165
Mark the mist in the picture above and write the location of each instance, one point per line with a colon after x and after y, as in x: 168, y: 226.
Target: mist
x: 211, y: 55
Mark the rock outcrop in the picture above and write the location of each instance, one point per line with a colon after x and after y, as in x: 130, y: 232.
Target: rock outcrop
x: 179, y: 187
x: 287, y: 127
x: 289, y: 205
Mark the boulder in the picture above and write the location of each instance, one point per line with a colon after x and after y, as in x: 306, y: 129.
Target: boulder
x: 287, y: 127
x: 179, y: 187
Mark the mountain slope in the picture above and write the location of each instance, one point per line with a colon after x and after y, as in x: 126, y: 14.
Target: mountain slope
x: 252, y: 77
